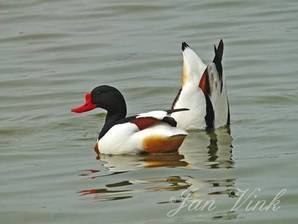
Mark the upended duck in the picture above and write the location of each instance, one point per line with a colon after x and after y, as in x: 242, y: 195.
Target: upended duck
x: 203, y: 92
x: 152, y: 132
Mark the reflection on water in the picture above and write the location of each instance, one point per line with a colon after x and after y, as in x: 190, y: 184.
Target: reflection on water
x: 162, y: 160
x: 121, y: 189
x: 211, y: 151
x: 220, y: 149
x: 198, y: 188
x: 120, y: 163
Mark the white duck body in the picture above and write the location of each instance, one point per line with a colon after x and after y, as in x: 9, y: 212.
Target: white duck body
x: 190, y: 95
x: 127, y: 138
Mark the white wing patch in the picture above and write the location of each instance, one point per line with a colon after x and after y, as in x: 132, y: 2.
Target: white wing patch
x: 193, y: 65
x: 158, y: 114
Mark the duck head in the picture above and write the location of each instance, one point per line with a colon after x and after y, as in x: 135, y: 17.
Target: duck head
x: 105, y: 97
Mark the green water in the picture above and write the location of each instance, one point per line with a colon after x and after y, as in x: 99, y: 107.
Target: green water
x: 52, y: 52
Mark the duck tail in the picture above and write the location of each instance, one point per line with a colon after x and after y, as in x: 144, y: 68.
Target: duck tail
x: 218, y: 51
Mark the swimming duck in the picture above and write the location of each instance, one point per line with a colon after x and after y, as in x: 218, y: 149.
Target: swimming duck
x: 203, y: 92
x: 152, y: 132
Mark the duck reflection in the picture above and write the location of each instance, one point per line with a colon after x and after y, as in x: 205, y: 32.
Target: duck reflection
x: 201, y: 151
x: 194, y: 187
x: 209, y: 150
x: 125, y: 189
x: 220, y: 149
x: 120, y: 163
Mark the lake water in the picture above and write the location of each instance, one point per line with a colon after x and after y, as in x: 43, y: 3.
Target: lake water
x: 52, y: 52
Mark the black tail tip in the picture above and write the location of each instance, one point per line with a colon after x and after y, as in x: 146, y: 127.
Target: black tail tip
x: 184, y: 45
x: 220, y: 44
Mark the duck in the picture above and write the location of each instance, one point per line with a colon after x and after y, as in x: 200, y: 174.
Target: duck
x: 149, y: 132
x: 203, y: 91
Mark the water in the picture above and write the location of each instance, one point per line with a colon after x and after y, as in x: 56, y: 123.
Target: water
x: 52, y: 52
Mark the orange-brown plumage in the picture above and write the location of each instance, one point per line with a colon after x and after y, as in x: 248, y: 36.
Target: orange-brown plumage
x: 96, y: 149
x: 161, y: 144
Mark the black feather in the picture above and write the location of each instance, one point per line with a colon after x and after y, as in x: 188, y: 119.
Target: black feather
x: 217, y: 61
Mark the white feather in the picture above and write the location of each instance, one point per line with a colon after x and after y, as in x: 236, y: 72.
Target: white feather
x: 127, y: 138
x: 161, y: 129
x: 193, y: 66
x: 218, y: 97
x: 158, y: 114
x: 118, y: 139
x: 191, y: 96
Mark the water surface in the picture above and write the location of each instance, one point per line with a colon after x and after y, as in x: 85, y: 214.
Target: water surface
x: 52, y: 52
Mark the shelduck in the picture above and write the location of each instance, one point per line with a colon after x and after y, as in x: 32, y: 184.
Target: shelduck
x: 203, y: 92
x: 152, y: 132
